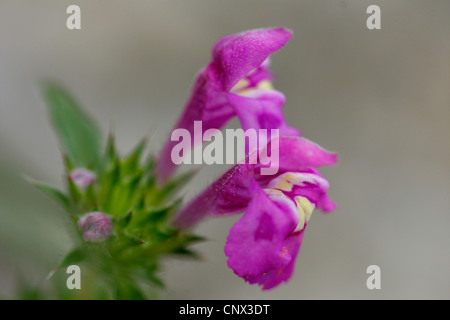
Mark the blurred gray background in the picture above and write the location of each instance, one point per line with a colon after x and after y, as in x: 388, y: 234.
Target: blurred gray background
x: 379, y: 98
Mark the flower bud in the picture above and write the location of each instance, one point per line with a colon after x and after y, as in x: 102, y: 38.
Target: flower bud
x: 96, y: 226
x: 82, y: 177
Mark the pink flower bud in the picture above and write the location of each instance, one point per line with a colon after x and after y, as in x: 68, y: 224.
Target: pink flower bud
x: 82, y: 177
x: 96, y: 226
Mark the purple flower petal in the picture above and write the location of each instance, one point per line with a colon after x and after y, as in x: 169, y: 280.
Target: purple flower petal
x: 96, y: 226
x: 299, y: 154
x: 82, y: 177
x: 234, y: 56
x: 259, y: 246
x: 261, y: 109
x: 260, y: 74
x: 273, y: 278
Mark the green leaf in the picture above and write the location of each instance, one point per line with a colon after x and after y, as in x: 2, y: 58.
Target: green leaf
x: 128, y: 290
x: 110, y: 155
x: 74, y: 192
x: 159, y: 214
x: 109, y: 182
x: 124, y: 220
x: 68, y: 164
x: 187, y: 253
x: 131, y: 162
x: 156, y: 197
x: 175, y: 245
x: 91, y: 198
x: 75, y: 256
x: 58, y: 196
x: 177, y: 183
x: 78, y: 133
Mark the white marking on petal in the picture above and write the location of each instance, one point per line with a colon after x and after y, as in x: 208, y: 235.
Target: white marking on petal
x: 305, y: 209
x: 297, y: 179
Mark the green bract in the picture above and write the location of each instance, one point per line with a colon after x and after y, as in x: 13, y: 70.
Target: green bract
x: 125, y: 266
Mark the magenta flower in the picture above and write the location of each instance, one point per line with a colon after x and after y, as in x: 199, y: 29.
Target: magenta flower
x: 83, y: 178
x: 236, y: 82
x: 96, y: 226
x: 263, y: 245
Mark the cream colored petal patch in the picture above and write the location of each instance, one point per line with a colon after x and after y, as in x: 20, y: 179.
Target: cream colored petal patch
x: 305, y: 209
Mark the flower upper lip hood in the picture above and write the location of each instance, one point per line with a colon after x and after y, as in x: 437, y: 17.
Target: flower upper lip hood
x: 234, y: 56
x: 236, y: 82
